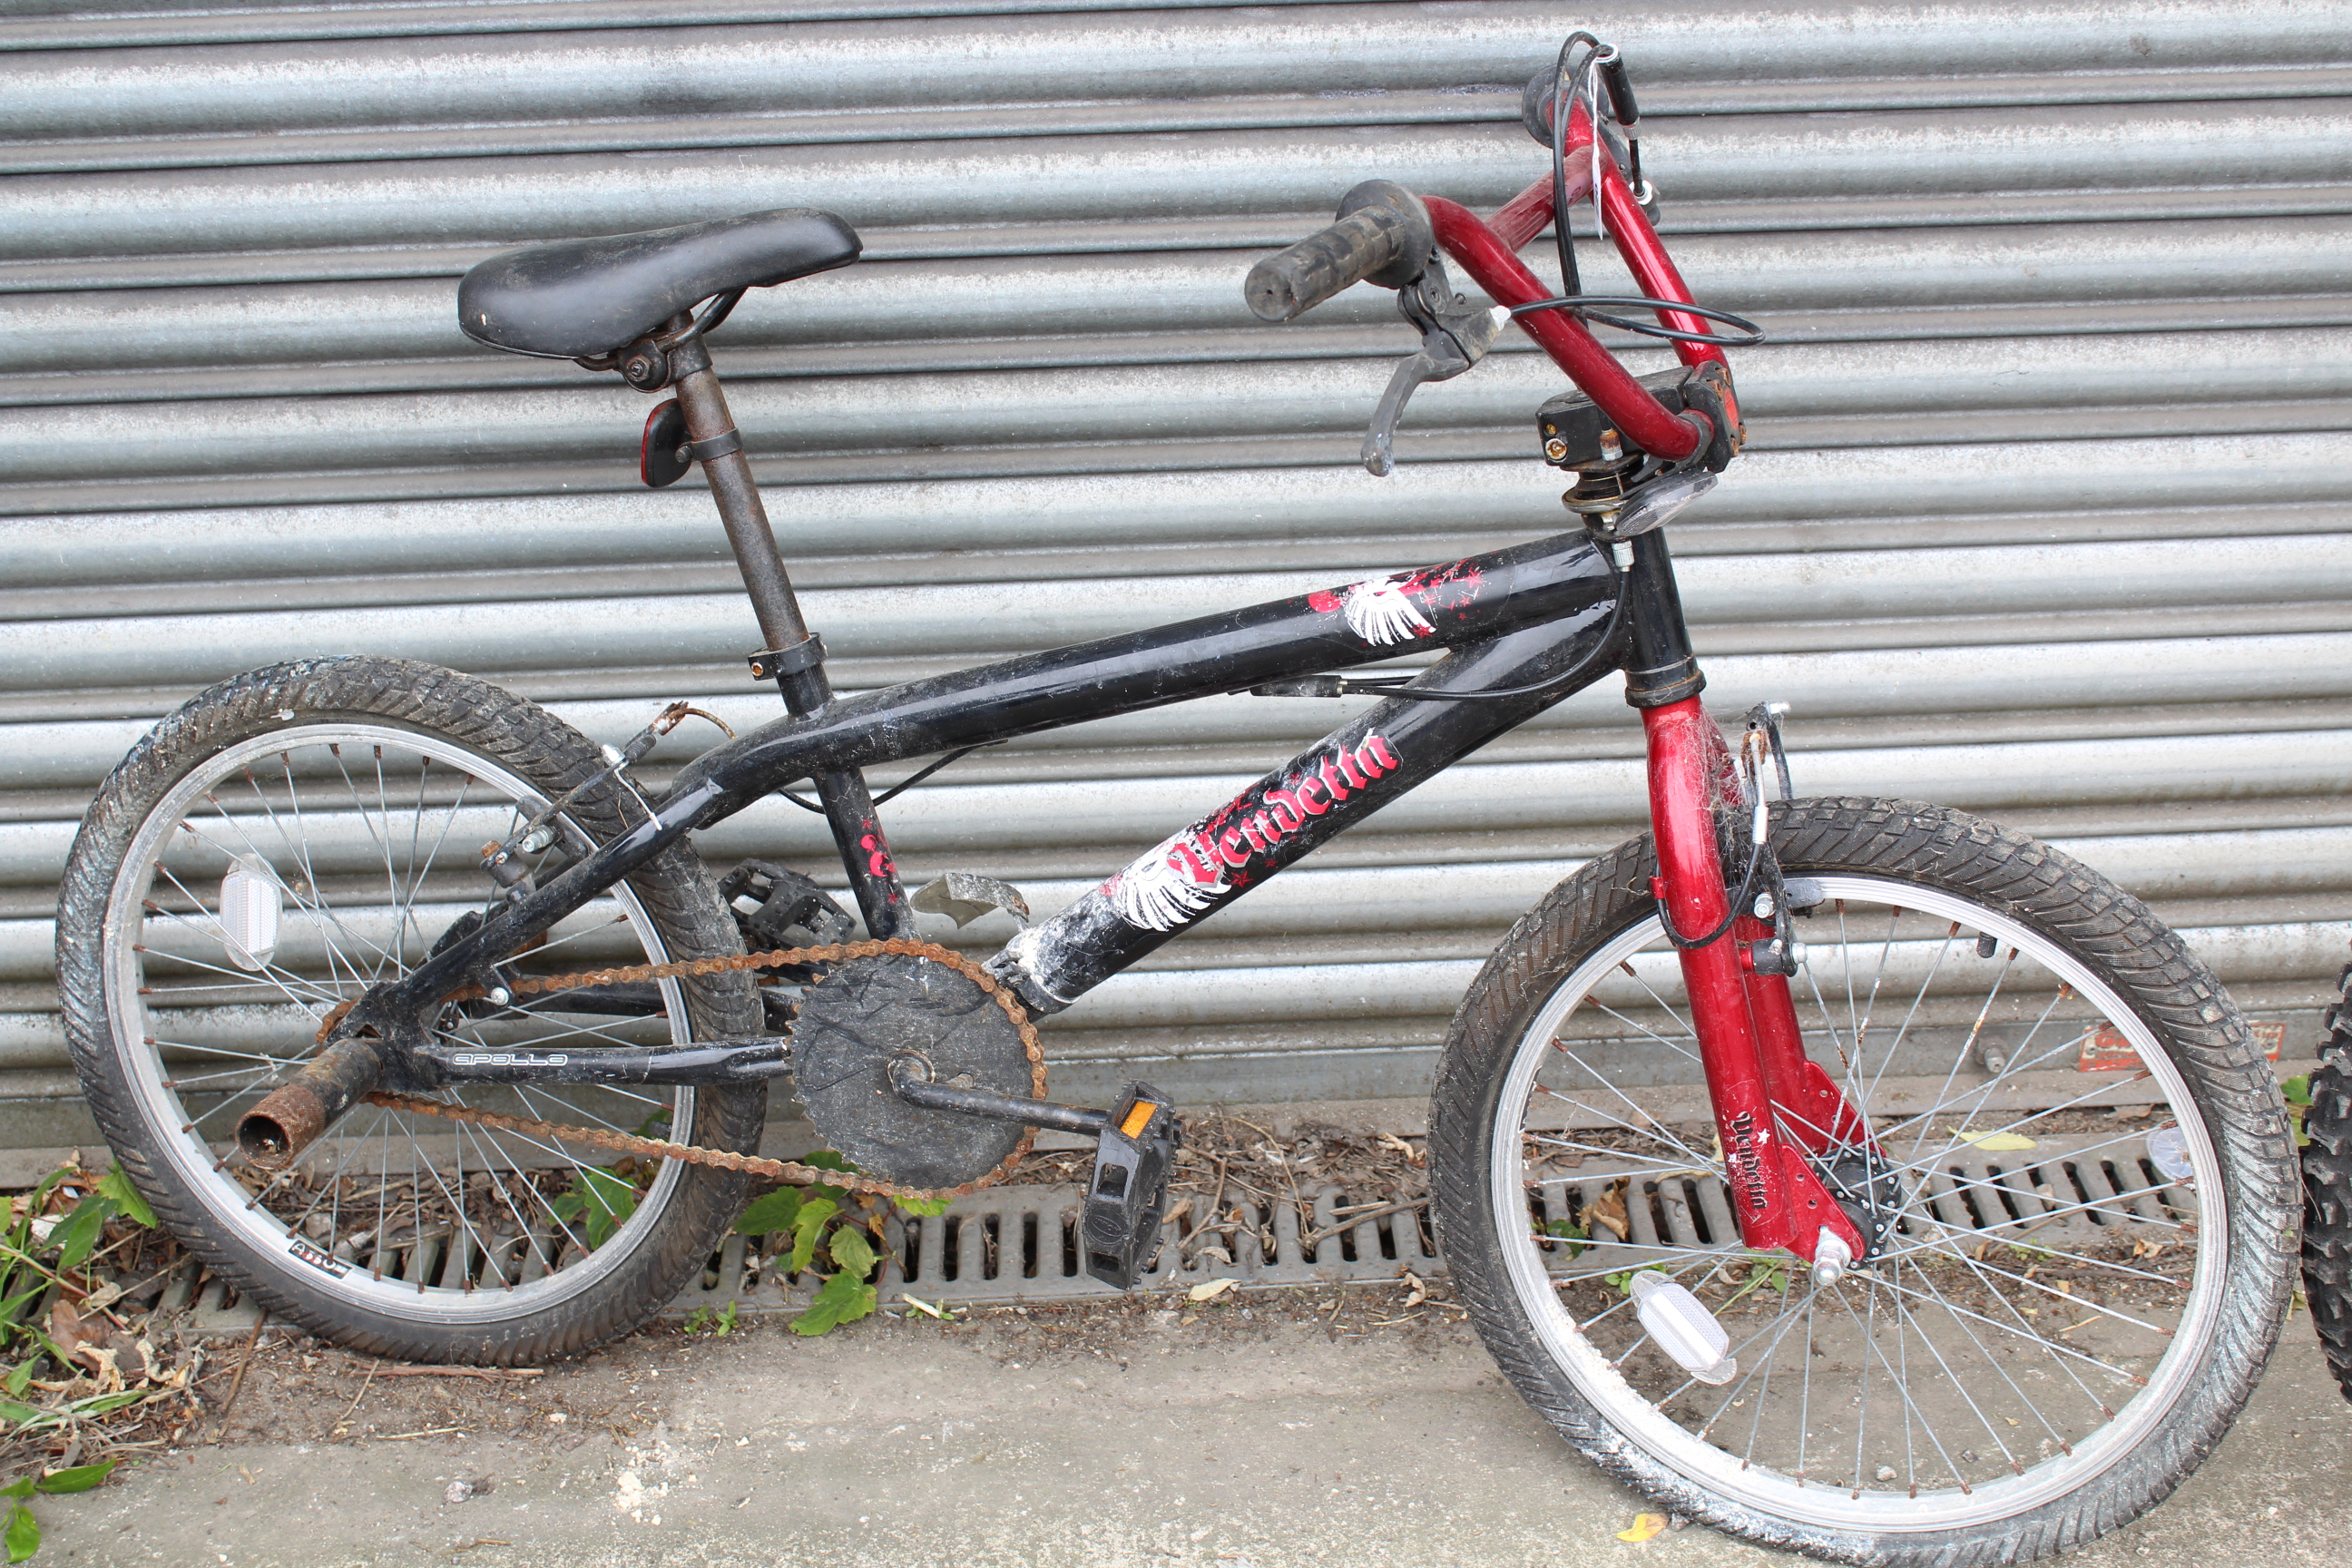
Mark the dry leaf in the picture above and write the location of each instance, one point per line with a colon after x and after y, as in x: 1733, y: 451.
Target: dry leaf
x: 1420, y: 1288
x: 103, y: 1363
x: 1645, y: 1525
x: 1210, y: 1290
x: 1609, y: 1210
x: 66, y: 1327
x: 1993, y: 1143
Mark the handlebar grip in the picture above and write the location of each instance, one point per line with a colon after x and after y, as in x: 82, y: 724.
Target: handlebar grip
x: 1621, y: 91
x: 1535, y: 101
x: 1291, y: 282
x: 1382, y: 234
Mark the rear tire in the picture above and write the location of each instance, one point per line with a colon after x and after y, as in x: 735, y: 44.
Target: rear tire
x: 366, y: 788
x: 2326, y: 1163
x: 1944, y: 1403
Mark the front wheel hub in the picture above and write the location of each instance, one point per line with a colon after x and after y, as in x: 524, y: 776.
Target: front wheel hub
x: 1867, y: 1187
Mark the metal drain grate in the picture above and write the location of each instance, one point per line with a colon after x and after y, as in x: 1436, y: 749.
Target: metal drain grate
x: 2069, y: 1191
x: 1018, y: 1246
x: 1012, y: 1246
x: 2077, y: 1190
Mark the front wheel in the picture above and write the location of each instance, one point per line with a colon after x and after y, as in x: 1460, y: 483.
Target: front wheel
x: 2084, y: 1271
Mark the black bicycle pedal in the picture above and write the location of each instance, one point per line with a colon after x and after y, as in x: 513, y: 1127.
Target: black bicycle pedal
x: 1128, y: 1192
x: 775, y: 907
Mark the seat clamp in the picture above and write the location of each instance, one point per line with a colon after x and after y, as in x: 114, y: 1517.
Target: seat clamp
x: 718, y: 445
x: 775, y: 664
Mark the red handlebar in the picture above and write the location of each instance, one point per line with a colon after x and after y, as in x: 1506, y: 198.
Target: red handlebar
x: 1489, y: 255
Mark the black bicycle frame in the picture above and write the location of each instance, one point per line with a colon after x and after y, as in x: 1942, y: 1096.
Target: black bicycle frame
x: 1513, y: 617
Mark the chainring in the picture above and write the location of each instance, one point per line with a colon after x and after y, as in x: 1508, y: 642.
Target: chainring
x: 867, y: 1012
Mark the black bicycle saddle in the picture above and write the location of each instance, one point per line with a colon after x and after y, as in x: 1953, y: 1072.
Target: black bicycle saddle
x: 583, y: 298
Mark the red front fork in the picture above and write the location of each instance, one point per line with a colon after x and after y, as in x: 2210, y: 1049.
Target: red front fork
x: 1758, y: 1075
x: 1773, y: 1105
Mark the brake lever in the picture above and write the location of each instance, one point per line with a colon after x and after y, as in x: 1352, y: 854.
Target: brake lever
x: 1455, y: 335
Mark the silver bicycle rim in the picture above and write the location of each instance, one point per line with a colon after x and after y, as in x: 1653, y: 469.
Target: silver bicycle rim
x: 1992, y: 1420
x: 316, y: 819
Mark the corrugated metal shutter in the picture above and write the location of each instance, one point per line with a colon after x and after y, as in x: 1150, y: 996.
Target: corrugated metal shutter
x: 2046, y: 512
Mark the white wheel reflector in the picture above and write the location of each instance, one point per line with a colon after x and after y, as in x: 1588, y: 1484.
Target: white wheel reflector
x: 250, y: 902
x: 1684, y: 1328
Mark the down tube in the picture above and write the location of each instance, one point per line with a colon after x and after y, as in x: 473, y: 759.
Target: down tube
x: 1343, y: 779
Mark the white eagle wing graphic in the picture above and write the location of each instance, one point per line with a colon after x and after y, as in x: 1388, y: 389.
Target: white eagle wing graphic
x: 1379, y: 612
x: 1157, y: 893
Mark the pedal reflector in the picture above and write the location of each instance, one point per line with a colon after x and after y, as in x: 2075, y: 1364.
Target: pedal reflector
x: 1136, y: 1120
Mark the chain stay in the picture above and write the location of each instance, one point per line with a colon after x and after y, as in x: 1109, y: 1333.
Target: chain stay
x: 728, y: 1159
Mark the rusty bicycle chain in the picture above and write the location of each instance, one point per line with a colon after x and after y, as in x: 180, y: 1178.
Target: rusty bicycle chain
x: 728, y: 1159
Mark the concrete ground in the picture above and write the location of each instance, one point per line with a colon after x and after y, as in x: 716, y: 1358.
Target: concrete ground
x: 1267, y: 1434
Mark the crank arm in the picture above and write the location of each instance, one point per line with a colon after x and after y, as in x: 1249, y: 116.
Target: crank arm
x: 909, y: 1077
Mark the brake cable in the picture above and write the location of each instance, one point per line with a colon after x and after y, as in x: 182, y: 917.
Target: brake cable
x: 1563, y: 91
x: 1587, y: 79
x: 1760, y: 833
x: 1750, y: 334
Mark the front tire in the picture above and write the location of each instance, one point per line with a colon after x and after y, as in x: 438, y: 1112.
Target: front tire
x: 2058, y: 1330
x: 357, y: 794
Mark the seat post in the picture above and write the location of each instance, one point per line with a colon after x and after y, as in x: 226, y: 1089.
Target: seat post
x: 748, y: 532
x: 798, y: 655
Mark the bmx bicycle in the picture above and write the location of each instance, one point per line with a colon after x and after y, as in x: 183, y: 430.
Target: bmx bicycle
x: 1748, y: 1159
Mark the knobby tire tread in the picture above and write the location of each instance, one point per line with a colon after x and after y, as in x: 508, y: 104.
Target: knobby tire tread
x: 2326, y: 1164
x: 2018, y: 876
x: 675, y: 892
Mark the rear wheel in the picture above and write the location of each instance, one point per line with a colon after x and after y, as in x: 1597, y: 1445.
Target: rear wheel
x: 2073, y: 1301
x: 352, y: 799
